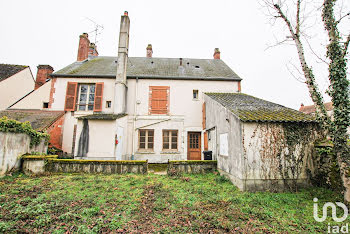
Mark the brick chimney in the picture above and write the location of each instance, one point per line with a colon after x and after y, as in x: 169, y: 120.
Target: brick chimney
x: 83, y: 50
x: 93, y: 50
x: 42, y: 75
x: 123, y: 52
x: 149, y: 51
x: 216, y: 53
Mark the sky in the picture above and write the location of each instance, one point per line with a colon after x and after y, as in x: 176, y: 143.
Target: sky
x: 47, y: 32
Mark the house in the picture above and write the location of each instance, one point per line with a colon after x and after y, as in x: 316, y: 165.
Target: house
x: 311, y: 109
x: 42, y: 121
x: 137, y: 108
x: 258, y: 144
x: 10, y: 78
x: 38, y: 98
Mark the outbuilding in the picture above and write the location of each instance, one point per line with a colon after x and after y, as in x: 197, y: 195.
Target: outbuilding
x: 258, y: 144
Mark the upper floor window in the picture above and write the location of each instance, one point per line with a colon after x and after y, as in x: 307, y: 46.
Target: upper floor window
x: 195, y: 94
x: 84, y: 97
x: 159, y: 99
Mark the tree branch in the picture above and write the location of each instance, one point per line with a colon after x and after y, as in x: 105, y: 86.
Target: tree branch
x: 297, y: 27
x: 346, y: 45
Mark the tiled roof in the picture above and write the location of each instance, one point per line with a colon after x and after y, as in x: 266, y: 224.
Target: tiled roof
x: 251, y: 109
x: 159, y: 68
x: 311, y: 109
x: 7, y: 70
x: 39, y: 119
x: 102, y: 116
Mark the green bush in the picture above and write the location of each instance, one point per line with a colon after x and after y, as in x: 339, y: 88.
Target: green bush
x: 11, y: 125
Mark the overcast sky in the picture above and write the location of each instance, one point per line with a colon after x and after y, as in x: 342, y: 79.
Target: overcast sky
x: 47, y: 32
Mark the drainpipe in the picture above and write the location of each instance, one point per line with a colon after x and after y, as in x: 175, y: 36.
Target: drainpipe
x: 134, y: 122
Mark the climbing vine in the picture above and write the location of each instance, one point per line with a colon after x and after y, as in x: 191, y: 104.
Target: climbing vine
x: 10, y: 125
x: 283, y: 150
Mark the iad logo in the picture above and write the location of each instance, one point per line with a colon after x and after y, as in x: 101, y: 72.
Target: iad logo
x: 333, y: 229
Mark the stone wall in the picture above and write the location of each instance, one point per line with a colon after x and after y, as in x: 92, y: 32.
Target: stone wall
x: 191, y: 166
x: 12, y: 147
x: 96, y: 166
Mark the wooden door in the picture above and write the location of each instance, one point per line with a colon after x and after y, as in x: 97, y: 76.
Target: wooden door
x: 194, y: 146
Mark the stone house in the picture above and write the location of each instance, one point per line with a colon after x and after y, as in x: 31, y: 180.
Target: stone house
x: 10, y: 78
x: 259, y: 145
x: 123, y: 107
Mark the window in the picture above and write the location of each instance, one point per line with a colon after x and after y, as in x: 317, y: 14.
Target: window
x: 86, y: 97
x: 169, y: 139
x: 146, y: 139
x: 108, y: 104
x: 159, y: 99
x: 195, y: 94
x: 45, y: 105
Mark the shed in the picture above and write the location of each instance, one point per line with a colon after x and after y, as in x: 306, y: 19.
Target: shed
x: 258, y: 144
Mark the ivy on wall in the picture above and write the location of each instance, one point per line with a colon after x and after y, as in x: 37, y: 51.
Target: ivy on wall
x: 14, y: 126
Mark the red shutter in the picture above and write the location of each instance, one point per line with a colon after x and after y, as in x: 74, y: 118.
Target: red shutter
x: 98, y: 97
x: 71, y: 96
x: 203, y: 114
x: 205, y: 141
x: 159, y: 99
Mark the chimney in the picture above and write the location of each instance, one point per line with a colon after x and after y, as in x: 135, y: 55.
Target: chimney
x: 149, y: 51
x: 92, y: 50
x: 42, y: 75
x: 216, y: 53
x: 83, y: 50
x: 123, y: 50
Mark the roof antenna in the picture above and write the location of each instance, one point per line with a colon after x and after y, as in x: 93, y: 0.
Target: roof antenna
x: 97, y: 31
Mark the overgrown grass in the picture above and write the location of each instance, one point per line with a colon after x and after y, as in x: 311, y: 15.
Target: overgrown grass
x: 151, y: 203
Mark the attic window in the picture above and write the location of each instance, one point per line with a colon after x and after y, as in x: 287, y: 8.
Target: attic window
x: 45, y: 105
x: 188, y: 63
x: 152, y: 62
x: 195, y: 94
x: 197, y: 67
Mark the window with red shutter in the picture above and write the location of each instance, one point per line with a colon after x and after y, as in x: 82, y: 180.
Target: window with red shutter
x: 98, y: 97
x: 71, y: 95
x: 159, y: 99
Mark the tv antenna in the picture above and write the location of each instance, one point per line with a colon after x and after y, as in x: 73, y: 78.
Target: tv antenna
x: 97, y: 31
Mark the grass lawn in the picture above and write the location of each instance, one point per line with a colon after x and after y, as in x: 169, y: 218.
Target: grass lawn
x: 152, y: 203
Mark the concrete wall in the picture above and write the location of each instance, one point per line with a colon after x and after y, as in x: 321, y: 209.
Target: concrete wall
x: 193, y: 167
x: 15, y: 87
x: 94, y: 166
x: 221, y: 122
x: 12, y: 147
x: 36, y: 99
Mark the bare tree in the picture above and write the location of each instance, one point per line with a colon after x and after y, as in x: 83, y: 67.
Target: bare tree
x: 337, y: 50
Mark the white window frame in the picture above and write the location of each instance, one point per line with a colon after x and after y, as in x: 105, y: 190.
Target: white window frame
x: 87, y: 97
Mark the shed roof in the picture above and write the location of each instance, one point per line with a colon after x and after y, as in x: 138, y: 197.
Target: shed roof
x: 7, y: 70
x: 39, y: 119
x: 102, y: 116
x: 153, y: 68
x: 251, y: 109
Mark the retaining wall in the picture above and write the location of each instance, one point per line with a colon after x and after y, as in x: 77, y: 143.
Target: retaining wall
x: 12, y: 147
x: 96, y: 166
x: 191, y: 166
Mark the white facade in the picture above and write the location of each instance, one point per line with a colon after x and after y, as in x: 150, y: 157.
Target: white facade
x: 15, y: 87
x: 185, y: 115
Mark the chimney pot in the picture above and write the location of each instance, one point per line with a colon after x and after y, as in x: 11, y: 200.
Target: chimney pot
x: 42, y: 75
x: 93, y: 50
x: 180, y: 61
x: 216, y: 53
x: 149, y: 51
x: 83, y: 49
x: 126, y: 13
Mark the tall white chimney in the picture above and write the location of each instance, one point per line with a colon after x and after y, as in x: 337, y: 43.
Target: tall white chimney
x: 123, y: 50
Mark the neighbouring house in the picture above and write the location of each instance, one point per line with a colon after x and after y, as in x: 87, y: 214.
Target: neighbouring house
x: 123, y: 107
x: 259, y: 145
x: 37, y: 99
x: 16, y: 81
x: 41, y: 121
x: 311, y: 110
